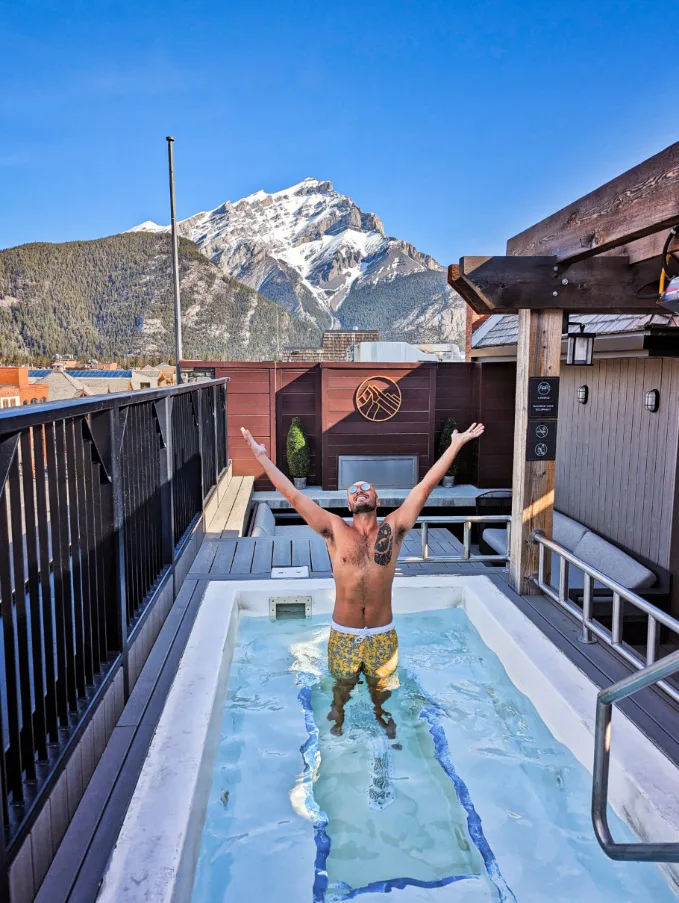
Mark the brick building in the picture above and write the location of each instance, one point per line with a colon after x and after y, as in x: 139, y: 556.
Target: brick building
x: 16, y: 389
x: 334, y: 346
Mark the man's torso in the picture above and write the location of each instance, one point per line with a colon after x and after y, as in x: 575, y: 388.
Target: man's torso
x: 363, y: 569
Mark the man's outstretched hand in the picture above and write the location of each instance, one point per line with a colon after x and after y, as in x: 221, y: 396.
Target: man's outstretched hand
x: 474, y: 431
x: 255, y: 447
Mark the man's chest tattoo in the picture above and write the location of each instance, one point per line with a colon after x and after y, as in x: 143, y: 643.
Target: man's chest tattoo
x: 384, y: 545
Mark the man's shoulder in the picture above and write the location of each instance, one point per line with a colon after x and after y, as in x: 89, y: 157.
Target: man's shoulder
x: 395, y: 524
x: 336, y: 526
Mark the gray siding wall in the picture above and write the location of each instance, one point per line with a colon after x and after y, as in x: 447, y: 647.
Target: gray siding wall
x: 616, y: 462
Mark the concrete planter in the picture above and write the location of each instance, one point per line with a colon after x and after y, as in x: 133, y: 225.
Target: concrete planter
x: 300, y: 482
x: 448, y: 482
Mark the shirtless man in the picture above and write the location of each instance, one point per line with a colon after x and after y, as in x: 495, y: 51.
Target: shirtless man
x: 363, y: 555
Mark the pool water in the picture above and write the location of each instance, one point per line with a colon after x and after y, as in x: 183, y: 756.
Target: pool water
x: 472, y: 800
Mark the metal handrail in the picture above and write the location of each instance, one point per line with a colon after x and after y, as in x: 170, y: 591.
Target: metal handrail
x: 649, y: 673
x: 467, y: 520
x: 638, y: 852
x: 590, y: 627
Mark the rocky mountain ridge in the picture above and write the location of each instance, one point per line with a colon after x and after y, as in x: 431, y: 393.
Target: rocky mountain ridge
x: 319, y: 256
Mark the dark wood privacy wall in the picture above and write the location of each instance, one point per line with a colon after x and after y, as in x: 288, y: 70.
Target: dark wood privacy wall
x: 265, y: 397
x: 409, y: 432
x: 616, y: 462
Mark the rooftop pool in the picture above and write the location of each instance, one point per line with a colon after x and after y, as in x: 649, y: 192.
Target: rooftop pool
x: 470, y: 785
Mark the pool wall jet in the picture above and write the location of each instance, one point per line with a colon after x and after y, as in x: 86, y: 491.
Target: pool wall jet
x: 155, y: 855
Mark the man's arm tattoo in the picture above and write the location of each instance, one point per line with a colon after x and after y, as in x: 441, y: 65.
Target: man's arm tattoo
x: 383, y: 545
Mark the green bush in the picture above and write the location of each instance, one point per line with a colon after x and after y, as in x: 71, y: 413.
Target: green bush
x: 444, y: 441
x: 298, y: 451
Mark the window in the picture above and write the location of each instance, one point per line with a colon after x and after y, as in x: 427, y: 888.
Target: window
x: 144, y: 385
x: 34, y: 400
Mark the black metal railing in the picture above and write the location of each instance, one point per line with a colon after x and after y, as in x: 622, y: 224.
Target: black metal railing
x: 222, y: 457
x: 187, y: 464
x: 96, y: 496
x: 208, y: 439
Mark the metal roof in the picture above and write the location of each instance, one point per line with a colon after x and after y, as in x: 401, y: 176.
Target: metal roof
x: 502, y: 329
x: 100, y: 374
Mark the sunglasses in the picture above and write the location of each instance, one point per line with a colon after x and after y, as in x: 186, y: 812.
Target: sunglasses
x: 364, y: 487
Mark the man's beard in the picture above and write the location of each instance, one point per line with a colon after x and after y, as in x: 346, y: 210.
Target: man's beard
x: 363, y: 507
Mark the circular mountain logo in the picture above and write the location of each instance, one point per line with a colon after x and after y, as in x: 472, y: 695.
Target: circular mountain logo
x: 378, y: 398
x: 544, y: 388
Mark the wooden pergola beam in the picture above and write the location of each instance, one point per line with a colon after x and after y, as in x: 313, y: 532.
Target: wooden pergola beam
x: 505, y: 285
x: 642, y: 201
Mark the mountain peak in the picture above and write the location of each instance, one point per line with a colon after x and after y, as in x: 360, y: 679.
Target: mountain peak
x: 309, y: 248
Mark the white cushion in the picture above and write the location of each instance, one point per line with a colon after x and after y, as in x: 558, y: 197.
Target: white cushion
x: 264, y: 523
x: 567, y: 532
x: 496, y: 537
x: 613, y: 562
x: 295, y: 531
x: 576, y: 577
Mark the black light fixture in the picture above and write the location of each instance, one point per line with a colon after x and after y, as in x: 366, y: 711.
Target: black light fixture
x: 580, y: 347
x: 652, y: 401
x: 583, y: 394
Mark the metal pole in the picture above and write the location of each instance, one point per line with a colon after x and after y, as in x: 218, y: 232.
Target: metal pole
x: 175, y: 265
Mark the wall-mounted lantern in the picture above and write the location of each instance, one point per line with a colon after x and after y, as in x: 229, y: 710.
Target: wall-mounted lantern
x: 580, y: 347
x: 583, y: 394
x: 652, y: 401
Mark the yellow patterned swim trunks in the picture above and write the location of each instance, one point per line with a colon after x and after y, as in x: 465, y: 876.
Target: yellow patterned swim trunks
x: 373, y: 650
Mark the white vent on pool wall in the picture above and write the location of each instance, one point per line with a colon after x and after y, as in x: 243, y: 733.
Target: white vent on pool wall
x: 290, y: 607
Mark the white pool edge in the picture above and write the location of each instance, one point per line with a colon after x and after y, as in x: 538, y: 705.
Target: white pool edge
x: 154, y: 857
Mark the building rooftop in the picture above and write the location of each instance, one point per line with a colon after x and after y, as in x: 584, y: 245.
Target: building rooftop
x: 502, y: 329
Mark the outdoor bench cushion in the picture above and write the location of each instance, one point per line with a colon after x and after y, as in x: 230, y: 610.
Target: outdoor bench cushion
x: 496, y: 537
x: 567, y: 532
x: 613, y: 562
x: 264, y: 523
x: 295, y: 531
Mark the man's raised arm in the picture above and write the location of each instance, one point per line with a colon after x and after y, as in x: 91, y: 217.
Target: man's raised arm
x: 405, y: 516
x: 318, y: 519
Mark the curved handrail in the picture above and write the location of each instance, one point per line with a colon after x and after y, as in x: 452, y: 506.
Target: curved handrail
x: 638, y: 852
x: 649, y: 673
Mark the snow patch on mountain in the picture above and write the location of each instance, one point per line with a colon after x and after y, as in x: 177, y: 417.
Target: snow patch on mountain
x: 310, y: 248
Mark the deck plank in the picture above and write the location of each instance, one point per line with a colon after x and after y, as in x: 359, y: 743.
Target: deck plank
x: 236, y: 519
x: 242, y: 560
x: 448, y: 540
x: 320, y: 558
x: 261, y: 560
x: 300, y: 553
x: 224, y: 510
x: 206, y: 556
x: 224, y: 557
x: 282, y: 552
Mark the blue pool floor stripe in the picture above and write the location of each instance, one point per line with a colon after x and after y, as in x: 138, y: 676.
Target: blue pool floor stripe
x: 311, y: 756
x: 442, y: 753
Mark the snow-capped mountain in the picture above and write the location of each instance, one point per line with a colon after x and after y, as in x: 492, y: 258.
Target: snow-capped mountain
x: 317, y: 254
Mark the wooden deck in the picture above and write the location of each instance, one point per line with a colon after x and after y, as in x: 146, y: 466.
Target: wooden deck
x: 231, y: 558
x: 230, y: 517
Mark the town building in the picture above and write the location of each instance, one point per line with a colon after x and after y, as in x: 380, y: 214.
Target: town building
x: 334, y: 345
x: 16, y: 388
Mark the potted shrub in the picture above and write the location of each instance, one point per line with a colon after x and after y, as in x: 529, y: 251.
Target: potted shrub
x: 299, y: 453
x: 444, y: 441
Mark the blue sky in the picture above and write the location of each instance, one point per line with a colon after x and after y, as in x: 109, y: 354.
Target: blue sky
x: 459, y: 123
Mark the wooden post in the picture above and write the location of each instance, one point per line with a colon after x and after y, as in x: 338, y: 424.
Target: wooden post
x: 538, y: 354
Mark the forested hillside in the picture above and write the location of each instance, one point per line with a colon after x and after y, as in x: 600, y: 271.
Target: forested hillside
x: 112, y: 297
